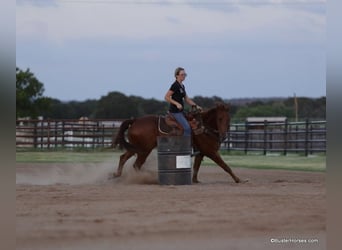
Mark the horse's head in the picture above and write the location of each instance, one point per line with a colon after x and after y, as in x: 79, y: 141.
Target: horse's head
x: 222, y: 119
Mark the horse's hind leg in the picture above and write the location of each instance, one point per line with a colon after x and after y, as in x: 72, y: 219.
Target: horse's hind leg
x: 140, y: 160
x: 123, y: 158
x: 217, y: 158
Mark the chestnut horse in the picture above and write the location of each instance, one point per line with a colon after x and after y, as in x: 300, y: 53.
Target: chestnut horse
x: 142, y: 135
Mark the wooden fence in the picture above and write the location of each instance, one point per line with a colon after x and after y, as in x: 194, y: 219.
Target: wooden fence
x: 306, y: 137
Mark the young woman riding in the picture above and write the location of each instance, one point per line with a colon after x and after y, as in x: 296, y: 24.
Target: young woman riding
x: 176, y: 96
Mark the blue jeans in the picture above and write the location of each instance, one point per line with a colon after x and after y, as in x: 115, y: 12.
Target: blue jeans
x: 182, y: 121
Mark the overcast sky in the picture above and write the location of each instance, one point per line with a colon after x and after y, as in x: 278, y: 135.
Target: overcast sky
x: 83, y: 49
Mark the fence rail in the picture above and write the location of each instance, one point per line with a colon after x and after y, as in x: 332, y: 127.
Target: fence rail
x: 306, y: 137
x: 48, y: 134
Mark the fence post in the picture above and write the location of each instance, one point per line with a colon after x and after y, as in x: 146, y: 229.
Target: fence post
x: 270, y: 139
x: 285, y: 137
x: 95, y: 134
x: 83, y: 134
x: 306, y: 137
x: 35, y: 134
x: 228, y: 141
x: 41, y: 133
x: 103, y: 135
x: 311, y: 139
x: 246, y: 137
x: 94, y: 129
x: 265, y: 137
x: 48, y: 133
x: 56, y: 134
x: 296, y: 140
x: 63, y: 131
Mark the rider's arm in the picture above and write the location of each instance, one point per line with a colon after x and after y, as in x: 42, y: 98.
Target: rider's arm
x: 168, y: 98
x: 189, y: 101
x: 192, y: 103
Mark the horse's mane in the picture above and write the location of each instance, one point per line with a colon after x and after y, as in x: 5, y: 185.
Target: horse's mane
x: 209, y: 116
x: 210, y: 113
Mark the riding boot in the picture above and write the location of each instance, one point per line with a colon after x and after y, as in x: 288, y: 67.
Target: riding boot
x: 194, y: 151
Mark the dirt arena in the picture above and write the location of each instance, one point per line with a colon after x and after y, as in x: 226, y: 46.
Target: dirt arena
x: 75, y: 206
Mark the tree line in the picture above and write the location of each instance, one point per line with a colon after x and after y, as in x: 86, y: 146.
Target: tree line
x: 31, y: 103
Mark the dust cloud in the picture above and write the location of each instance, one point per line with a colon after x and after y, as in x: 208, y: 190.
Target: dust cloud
x: 87, y: 173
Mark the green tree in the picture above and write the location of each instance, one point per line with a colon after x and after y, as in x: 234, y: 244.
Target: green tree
x: 276, y: 109
x: 116, y: 105
x: 29, y: 91
x: 308, y: 107
x: 155, y: 107
x: 58, y: 110
x: 71, y: 109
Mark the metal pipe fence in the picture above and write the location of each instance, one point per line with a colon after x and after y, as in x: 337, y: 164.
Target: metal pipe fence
x: 307, y: 137
x: 49, y: 134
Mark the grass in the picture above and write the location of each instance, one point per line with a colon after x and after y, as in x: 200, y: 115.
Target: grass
x: 289, y: 162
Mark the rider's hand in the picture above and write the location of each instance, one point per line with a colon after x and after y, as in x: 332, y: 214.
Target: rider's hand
x: 179, y: 106
x: 199, y: 108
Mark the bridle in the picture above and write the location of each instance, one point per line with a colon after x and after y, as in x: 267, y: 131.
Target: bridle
x: 206, y: 129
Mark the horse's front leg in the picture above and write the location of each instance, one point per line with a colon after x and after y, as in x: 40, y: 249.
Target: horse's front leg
x: 197, y: 164
x: 218, y: 160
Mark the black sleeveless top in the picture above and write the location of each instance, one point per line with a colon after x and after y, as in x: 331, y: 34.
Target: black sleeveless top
x: 178, y: 95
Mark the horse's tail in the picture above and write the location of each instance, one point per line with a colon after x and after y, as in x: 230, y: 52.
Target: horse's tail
x: 120, y: 137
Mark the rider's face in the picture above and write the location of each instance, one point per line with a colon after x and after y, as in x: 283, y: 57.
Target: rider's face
x: 181, y: 75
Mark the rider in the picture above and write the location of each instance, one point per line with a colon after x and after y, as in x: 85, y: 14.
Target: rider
x: 176, y: 96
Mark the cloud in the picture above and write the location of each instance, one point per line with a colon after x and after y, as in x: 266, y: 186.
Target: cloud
x: 38, y: 3
x: 72, y: 20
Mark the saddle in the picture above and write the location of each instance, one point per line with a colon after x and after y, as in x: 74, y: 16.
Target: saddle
x: 168, y: 124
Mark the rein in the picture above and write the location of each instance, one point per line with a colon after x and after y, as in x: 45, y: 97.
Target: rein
x: 214, y: 132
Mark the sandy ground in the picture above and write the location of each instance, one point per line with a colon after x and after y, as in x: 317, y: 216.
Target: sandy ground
x: 75, y: 206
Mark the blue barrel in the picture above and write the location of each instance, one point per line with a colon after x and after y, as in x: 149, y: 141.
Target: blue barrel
x: 174, y: 160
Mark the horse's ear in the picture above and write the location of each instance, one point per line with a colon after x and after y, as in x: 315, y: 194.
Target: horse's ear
x: 222, y: 105
x: 227, y: 106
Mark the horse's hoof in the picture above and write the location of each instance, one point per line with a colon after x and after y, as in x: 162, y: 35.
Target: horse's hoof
x: 196, y: 181
x: 242, y: 181
x: 116, y: 175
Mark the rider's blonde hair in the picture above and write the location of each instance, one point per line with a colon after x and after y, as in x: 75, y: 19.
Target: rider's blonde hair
x: 177, y: 70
